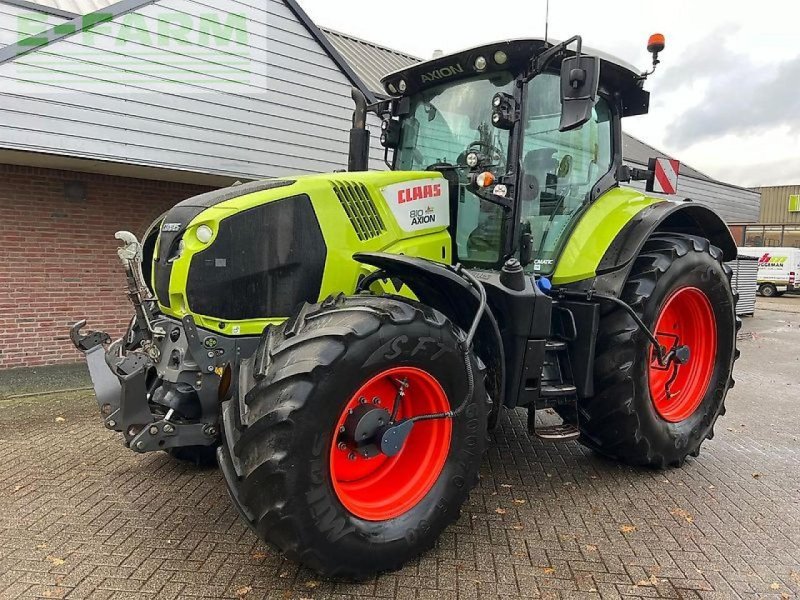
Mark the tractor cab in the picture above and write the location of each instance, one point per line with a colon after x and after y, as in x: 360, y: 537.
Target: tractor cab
x: 527, y: 133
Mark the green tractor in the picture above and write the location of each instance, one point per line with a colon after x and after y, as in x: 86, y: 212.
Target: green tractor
x: 344, y: 343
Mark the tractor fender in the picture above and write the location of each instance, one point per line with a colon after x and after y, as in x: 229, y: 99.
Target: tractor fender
x: 440, y: 287
x: 676, y: 217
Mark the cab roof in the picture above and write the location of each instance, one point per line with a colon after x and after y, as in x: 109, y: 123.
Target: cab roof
x: 616, y: 75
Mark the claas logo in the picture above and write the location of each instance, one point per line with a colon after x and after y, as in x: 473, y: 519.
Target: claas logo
x: 420, y: 192
x: 771, y: 261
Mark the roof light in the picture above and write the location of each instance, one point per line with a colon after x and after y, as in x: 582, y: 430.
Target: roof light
x: 480, y: 63
x: 500, y: 190
x: 392, y: 88
x: 500, y: 57
x: 385, y: 124
x: 472, y: 160
x: 656, y: 43
x: 401, y: 85
x: 485, y: 179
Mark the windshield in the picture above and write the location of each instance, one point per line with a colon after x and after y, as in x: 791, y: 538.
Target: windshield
x: 446, y: 122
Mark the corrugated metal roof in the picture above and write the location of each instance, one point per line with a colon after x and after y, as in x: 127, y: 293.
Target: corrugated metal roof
x: 369, y: 60
x: 79, y: 7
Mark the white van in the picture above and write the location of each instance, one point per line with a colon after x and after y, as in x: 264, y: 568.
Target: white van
x: 778, y: 269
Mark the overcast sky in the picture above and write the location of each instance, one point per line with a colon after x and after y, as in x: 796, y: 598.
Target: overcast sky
x: 726, y: 98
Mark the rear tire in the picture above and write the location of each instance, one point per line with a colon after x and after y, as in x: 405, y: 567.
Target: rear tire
x: 280, y: 452
x: 631, y: 418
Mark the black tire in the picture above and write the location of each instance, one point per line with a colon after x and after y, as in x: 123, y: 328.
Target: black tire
x: 621, y: 421
x: 278, y: 434
x: 767, y: 290
x: 203, y: 457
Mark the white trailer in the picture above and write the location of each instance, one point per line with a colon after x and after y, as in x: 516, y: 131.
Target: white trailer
x: 778, y: 269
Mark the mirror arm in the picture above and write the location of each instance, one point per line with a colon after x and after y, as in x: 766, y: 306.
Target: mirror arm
x: 543, y: 59
x: 626, y: 174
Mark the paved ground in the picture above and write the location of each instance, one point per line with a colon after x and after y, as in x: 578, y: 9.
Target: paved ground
x: 81, y: 517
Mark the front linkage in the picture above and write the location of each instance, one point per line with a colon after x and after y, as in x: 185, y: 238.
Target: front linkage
x: 159, y: 385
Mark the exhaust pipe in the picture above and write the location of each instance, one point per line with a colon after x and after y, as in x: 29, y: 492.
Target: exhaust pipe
x: 358, y: 160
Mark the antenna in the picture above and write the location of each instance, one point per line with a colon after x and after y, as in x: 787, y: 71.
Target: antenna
x: 546, y: 21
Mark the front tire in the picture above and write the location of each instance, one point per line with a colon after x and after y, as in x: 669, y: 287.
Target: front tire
x: 643, y: 414
x: 307, y: 493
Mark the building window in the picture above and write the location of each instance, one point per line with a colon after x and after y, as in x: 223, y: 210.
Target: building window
x: 784, y: 236
x: 773, y: 236
x: 791, y: 236
x: 754, y: 236
x: 794, y: 203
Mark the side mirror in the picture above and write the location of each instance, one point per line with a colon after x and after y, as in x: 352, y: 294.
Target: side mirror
x: 580, y: 79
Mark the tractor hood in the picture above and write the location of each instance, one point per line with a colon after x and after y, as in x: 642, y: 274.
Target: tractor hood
x: 239, y: 258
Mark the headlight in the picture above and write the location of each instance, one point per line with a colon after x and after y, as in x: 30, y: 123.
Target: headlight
x: 472, y: 160
x: 204, y: 234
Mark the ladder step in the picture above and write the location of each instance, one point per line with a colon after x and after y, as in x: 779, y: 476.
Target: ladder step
x: 555, y: 346
x: 558, y: 433
x: 557, y: 390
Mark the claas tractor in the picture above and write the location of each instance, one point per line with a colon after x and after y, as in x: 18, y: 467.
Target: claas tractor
x: 344, y: 344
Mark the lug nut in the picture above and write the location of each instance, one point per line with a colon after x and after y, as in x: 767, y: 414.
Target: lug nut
x: 362, y: 400
x: 376, y: 400
x: 342, y: 446
x: 153, y: 430
x: 342, y: 429
x: 352, y: 456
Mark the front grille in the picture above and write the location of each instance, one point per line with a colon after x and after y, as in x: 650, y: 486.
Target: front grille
x: 264, y: 262
x: 361, y: 210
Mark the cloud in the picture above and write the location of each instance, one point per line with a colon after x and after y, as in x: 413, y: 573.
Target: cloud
x: 737, y: 96
x: 778, y: 172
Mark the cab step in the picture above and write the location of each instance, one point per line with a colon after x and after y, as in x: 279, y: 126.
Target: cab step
x: 555, y: 346
x: 557, y: 433
x: 557, y: 390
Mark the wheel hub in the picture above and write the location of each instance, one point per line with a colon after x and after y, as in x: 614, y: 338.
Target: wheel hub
x: 364, y: 428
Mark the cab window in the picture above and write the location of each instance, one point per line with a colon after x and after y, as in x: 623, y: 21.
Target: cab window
x: 559, y: 169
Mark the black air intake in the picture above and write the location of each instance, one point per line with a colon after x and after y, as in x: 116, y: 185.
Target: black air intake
x: 360, y: 209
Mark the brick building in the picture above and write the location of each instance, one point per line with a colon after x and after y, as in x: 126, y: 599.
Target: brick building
x: 58, y: 255
x: 103, y: 128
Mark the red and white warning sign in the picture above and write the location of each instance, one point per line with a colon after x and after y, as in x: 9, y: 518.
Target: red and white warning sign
x: 665, y: 175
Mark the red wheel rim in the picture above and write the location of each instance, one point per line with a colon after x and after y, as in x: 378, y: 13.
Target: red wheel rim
x: 383, y: 487
x: 687, y: 319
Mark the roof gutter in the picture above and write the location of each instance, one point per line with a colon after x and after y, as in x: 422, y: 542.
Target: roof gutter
x: 40, y: 8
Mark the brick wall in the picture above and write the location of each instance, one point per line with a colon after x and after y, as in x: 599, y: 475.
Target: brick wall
x: 58, y: 261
